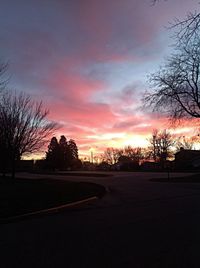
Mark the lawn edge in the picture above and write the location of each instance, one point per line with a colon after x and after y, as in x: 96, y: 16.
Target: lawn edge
x: 49, y: 210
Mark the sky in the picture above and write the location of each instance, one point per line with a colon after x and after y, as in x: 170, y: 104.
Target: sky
x: 89, y: 62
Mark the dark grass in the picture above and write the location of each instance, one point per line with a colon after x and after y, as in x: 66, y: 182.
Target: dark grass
x: 81, y: 174
x: 21, y: 196
x: 188, y: 179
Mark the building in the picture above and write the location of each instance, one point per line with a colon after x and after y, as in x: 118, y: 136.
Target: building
x: 187, y: 159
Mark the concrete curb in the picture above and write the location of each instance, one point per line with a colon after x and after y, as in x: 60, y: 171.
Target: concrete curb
x: 49, y: 210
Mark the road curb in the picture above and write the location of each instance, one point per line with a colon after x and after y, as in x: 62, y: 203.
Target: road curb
x: 49, y: 210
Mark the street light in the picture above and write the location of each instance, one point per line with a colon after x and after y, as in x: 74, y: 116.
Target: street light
x: 91, y: 155
x: 92, y: 151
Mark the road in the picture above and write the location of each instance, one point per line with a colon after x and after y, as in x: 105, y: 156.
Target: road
x: 138, y: 224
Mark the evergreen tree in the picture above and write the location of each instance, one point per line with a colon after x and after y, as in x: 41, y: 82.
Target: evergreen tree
x: 53, y: 154
x: 73, y: 149
x: 73, y: 154
x: 62, y: 154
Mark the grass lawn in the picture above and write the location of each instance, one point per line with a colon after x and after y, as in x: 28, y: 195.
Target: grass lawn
x: 186, y: 179
x: 75, y: 173
x: 22, y: 196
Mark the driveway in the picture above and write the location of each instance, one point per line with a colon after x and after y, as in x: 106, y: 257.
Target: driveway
x: 139, y: 223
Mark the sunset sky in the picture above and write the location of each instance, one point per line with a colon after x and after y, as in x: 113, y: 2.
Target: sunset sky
x: 88, y: 61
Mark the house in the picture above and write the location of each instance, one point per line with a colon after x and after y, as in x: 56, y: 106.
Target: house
x: 150, y: 166
x: 125, y: 163
x: 25, y: 165
x: 103, y: 166
x: 187, y: 159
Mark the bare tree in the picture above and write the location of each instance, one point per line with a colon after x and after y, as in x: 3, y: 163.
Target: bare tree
x: 154, y: 148
x: 160, y: 145
x: 187, y: 28
x: 135, y: 154
x: 111, y: 155
x: 108, y: 156
x: 24, y: 127
x: 176, y: 86
x: 185, y: 143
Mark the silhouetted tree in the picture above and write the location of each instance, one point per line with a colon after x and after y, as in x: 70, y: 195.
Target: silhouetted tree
x: 186, y: 28
x: 160, y: 145
x: 65, y: 154
x: 184, y: 143
x: 108, y: 156
x: 53, y: 154
x: 176, y: 87
x: 73, y: 152
x: 111, y: 155
x: 24, y: 127
x: 135, y: 154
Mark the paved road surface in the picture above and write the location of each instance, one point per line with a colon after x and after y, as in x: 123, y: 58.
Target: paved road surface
x: 138, y: 224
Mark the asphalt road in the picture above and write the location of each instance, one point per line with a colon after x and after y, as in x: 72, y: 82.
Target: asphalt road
x: 139, y: 223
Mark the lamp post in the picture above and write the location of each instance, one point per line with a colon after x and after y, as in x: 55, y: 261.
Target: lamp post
x: 91, y: 156
x: 92, y: 151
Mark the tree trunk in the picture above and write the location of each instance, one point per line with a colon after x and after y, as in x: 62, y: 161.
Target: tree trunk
x: 3, y: 168
x: 13, y: 168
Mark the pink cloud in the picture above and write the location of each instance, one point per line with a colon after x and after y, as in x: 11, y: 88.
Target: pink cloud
x: 73, y: 87
x: 51, y: 53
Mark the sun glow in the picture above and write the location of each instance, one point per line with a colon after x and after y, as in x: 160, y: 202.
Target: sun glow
x: 136, y: 141
x: 95, y: 145
x: 118, y: 140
